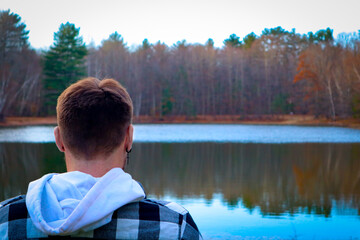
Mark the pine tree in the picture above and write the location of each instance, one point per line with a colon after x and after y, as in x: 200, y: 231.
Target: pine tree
x: 233, y: 41
x: 63, y: 63
x: 13, y: 35
x: 13, y: 51
x: 249, y: 39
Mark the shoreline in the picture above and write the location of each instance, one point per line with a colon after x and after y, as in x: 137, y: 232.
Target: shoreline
x: 302, y: 120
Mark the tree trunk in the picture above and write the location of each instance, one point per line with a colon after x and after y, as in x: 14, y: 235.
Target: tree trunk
x: 331, y: 99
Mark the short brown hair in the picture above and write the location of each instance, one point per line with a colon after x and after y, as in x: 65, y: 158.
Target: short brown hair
x: 93, y: 116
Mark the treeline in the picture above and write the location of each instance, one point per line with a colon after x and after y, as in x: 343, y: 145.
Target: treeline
x: 278, y: 72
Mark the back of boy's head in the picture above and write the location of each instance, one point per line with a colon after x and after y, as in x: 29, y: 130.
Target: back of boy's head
x: 93, y: 116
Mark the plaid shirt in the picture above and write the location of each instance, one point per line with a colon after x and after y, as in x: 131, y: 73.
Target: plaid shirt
x: 146, y: 219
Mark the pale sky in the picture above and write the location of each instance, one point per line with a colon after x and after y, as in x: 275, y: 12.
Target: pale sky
x: 171, y: 21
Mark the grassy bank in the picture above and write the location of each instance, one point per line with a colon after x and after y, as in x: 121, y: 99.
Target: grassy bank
x: 223, y: 119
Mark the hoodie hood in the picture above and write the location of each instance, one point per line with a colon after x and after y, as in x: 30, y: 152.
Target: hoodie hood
x: 61, y: 204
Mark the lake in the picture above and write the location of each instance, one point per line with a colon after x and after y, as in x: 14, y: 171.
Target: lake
x: 238, y: 181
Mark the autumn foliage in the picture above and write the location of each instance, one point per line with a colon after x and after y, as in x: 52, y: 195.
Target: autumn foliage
x: 329, y: 71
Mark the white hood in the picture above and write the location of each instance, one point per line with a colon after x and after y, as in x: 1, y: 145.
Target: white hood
x: 61, y: 204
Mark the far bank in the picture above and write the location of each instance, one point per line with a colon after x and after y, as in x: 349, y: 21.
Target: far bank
x: 217, y: 119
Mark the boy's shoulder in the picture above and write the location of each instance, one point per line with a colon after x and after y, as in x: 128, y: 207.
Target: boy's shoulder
x: 20, y: 198
x: 147, y: 218
x: 165, y: 219
x: 13, y: 217
x: 13, y: 209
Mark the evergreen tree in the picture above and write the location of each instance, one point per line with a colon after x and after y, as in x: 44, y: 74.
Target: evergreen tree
x: 63, y: 63
x: 14, y: 49
x: 249, y: 39
x: 321, y: 36
x: 145, y: 45
x: 210, y: 43
x: 13, y: 35
x: 233, y: 41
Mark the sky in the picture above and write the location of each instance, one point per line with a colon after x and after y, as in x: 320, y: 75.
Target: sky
x: 170, y: 21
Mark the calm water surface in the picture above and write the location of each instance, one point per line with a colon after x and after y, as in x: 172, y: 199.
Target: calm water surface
x: 205, y: 133
x: 238, y: 181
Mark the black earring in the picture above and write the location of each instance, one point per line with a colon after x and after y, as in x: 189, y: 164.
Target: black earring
x: 128, y: 156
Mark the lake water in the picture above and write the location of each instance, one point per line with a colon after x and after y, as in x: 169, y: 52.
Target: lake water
x: 238, y: 181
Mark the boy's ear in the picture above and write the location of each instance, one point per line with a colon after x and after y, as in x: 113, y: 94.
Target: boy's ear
x: 58, y: 139
x: 129, y: 137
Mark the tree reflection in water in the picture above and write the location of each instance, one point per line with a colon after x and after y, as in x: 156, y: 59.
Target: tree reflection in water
x: 21, y: 163
x: 278, y: 178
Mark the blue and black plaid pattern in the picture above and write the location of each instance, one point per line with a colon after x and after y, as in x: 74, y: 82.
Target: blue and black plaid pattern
x: 146, y: 219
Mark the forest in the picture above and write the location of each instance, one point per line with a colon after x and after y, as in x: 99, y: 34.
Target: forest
x: 277, y: 72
